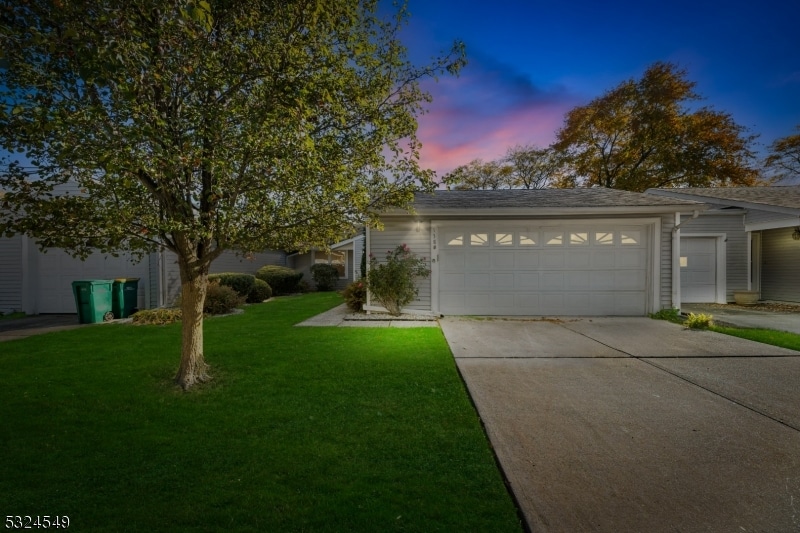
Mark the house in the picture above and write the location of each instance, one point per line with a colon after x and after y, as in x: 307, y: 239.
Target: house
x: 344, y: 255
x: 540, y: 252
x: 748, y: 239
x: 41, y: 282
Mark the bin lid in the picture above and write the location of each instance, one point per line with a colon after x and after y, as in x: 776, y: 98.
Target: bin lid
x: 124, y: 280
x: 93, y: 281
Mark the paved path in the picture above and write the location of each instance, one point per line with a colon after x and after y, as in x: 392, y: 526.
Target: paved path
x: 338, y: 317
x: 630, y: 425
x: 748, y: 318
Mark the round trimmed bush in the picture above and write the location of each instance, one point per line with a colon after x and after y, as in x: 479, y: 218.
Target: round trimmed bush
x: 261, y: 291
x: 221, y: 299
x: 282, y: 280
x: 325, y: 276
x: 241, y: 283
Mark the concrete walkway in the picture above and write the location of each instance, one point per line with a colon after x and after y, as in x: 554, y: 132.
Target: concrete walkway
x: 633, y: 424
x: 341, y: 316
x: 748, y: 318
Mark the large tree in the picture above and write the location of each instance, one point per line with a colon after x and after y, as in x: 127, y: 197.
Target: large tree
x: 784, y: 158
x: 203, y: 126
x: 645, y: 133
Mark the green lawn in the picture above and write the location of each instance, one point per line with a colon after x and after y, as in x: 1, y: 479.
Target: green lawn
x: 303, y: 429
x: 767, y: 336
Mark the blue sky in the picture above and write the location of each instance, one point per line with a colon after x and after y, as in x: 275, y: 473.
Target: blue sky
x: 531, y: 62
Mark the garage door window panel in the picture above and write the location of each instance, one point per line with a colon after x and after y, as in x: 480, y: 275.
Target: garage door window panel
x: 454, y: 239
x: 554, y: 238
x: 578, y: 238
x: 604, y: 238
x: 478, y: 239
x: 504, y: 239
x: 528, y: 238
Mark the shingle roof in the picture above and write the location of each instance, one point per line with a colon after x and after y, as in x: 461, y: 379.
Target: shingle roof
x: 542, y: 198
x: 779, y: 196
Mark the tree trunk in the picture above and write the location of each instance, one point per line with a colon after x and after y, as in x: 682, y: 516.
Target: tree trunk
x: 193, y: 367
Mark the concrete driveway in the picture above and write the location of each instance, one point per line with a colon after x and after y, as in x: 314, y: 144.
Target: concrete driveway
x: 633, y: 424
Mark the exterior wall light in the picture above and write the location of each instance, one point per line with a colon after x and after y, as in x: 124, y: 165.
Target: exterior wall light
x: 796, y: 234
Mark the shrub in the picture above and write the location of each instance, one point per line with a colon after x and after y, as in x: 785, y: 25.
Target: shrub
x: 698, y: 321
x: 303, y: 286
x: 392, y: 282
x: 325, y: 276
x: 241, y: 283
x: 158, y: 317
x: 355, y: 295
x: 282, y: 280
x: 221, y: 299
x: 261, y: 291
x: 672, y: 315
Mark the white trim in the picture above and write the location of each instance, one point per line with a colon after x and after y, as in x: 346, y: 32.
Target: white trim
x: 721, y: 258
x: 773, y: 224
x: 434, y: 255
x: 654, y: 256
x: 676, y: 264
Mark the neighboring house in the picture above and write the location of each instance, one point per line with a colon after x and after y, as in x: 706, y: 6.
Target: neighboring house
x: 36, y: 282
x: 539, y: 252
x: 747, y: 239
x: 344, y: 255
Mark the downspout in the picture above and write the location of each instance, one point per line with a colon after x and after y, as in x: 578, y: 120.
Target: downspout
x: 676, y: 258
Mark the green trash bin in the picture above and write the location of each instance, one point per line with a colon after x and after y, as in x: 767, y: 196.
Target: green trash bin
x: 93, y: 300
x: 124, y: 297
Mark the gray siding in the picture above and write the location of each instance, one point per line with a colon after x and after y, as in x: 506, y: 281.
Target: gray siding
x: 11, y: 275
x: 735, y: 247
x: 780, y: 255
x: 665, y: 290
x: 358, y: 253
x: 230, y: 262
x: 395, y: 233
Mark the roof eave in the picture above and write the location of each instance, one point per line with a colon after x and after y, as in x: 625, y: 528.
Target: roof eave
x: 735, y: 203
x: 549, y: 211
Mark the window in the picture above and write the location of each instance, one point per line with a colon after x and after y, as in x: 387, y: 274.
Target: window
x: 337, y: 259
x: 604, y: 237
x: 630, y: 237
x: 479, y: 239
x: 553, y: 238
x: 455, y: 239
x: 578, y: 238
x: 503, y: 239
x: 528, y: 238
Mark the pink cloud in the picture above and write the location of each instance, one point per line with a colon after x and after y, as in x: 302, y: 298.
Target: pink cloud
x: 483, y: 113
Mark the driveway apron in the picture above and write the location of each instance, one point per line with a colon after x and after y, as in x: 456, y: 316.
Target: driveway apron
x: 633, y: 424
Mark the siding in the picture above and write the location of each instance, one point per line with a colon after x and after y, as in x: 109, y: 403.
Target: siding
x: 11, y: 276
x: 358, y: 253
x: 735, y: 247
x: 780, y: 255
x: 667, y: 223
x: 395, y: 233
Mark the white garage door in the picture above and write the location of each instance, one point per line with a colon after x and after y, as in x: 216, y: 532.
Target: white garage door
x: 57, y: 271
x: 502, y: 269
x: 698, y: 269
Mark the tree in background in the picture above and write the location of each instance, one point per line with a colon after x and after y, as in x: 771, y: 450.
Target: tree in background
x: 643, y: 134
x: 477, y: 174
x: 532, y: 167
x: 204, y: 126
x: 784, y: 158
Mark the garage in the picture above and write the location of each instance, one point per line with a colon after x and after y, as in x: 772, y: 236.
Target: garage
x: 57, y: 271
x: 580, y: 268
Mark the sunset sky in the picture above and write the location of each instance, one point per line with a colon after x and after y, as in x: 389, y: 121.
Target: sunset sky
x: 531, y: 62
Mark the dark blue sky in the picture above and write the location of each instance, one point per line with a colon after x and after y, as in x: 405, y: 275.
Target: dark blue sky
x: 530, y: 62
